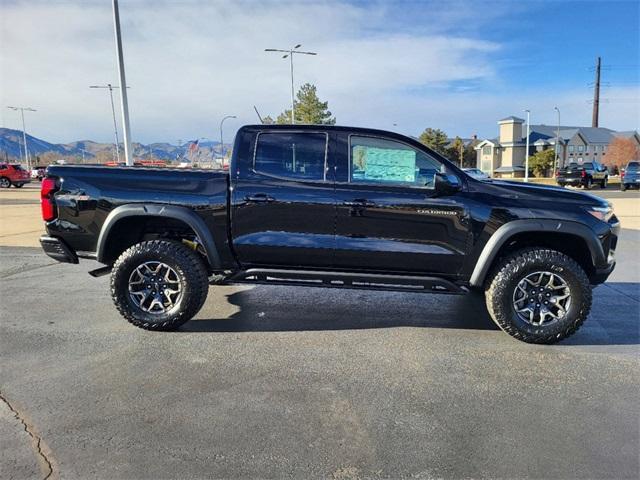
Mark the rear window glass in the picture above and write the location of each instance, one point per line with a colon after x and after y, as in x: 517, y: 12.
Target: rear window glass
x: 633, y: 166
x: 292, y: 155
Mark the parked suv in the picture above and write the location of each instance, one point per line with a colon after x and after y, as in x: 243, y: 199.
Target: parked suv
x: 630, y: 176
x: 13, y: 174
x: 333, y: 207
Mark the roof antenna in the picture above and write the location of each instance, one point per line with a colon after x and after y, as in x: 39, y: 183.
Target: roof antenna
x: 258, y: 113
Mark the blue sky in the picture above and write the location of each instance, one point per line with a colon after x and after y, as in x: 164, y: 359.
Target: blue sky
x: 457, y: 65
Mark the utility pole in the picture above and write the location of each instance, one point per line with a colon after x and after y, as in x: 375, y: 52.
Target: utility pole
x: 558, y: 138
x: 116, y: 156
x: 124, y: 104
x: 526, y: 158
x: 289, y: 53
x: 24, y: 133
x: 596, y: 96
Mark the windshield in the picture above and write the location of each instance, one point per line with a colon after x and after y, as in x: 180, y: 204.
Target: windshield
x: 633, y: 166
x: 17, y: 167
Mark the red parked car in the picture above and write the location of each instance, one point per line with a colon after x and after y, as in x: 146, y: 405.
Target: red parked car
x: 13, y: 174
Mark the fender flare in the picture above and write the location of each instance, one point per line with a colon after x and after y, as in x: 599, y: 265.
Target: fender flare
x: 166, y: 211
x: 508, y: 230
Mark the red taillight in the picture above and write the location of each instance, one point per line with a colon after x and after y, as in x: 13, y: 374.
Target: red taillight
x: 46, y: 203
x: 557, y: 173
x: 583, y: 174
x: 622, y: 174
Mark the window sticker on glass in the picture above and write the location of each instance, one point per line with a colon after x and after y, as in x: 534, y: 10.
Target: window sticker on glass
x: 383, y: 164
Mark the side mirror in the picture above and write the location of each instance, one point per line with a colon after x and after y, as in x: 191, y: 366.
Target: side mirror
x: 444, y: 185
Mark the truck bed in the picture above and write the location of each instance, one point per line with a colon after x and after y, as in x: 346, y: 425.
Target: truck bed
x: 87, y: 194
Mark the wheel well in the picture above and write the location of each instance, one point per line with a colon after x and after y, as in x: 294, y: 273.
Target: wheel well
x: 571, y: 245
x: 135, y: 229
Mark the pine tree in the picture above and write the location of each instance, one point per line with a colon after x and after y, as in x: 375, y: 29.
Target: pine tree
x: 435, y: 139
x: 309, y: 109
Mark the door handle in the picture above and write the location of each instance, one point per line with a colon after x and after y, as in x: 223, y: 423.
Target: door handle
x: 259, y: 197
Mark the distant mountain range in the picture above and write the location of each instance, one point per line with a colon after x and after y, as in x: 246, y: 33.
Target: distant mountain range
x: 11, y: 149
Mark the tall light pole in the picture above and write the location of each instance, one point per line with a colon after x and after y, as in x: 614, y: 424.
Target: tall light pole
x: 526, y: 161
x: 557, y: 135
x: 289, y: 53
x: 221, y: 143
x: 24, y: 133
x: 124, y: 104
x: 113, y: 111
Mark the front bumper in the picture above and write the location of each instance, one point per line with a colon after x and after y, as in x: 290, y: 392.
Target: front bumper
x: 601, y: 274
x: 58, y: 249
x: 609, y: 242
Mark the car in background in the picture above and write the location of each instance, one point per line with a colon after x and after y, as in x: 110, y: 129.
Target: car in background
x: 38, y: 172
x: 13, y: 174
x: 476, y: 173
x: 630, y: 176
x: 584, y: 175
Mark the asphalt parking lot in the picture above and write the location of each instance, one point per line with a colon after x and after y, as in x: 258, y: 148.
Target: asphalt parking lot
x: 275, y: 382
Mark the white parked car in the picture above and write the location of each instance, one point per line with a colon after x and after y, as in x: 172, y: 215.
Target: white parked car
x: 476, y: 173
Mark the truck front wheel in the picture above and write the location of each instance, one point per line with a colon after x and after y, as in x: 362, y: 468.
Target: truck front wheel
x: 159, y: 284
x: 538, y: 295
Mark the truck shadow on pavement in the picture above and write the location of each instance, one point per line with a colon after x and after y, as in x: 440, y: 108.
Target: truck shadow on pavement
x: 613, y: 321
x: 278, y: 309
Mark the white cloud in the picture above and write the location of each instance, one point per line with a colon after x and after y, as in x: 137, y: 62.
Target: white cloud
x: 190, y: 63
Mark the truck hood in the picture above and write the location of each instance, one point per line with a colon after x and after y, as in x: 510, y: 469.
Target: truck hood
x: 529, y: 191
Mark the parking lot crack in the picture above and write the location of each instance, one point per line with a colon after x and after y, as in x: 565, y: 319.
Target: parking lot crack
x: 35, y: 439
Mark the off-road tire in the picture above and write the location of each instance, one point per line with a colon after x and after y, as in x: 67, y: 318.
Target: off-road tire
x: 512, y: 269
x: 190, y: 268
x: 5, y: 182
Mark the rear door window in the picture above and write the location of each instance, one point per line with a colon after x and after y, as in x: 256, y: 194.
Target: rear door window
x: 297, y: 155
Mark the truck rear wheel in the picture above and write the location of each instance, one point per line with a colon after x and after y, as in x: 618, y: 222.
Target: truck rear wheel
x: 538, y: 295
x: 159, y: 284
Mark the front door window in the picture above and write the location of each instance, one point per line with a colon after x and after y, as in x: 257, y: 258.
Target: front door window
x: 386, y: 162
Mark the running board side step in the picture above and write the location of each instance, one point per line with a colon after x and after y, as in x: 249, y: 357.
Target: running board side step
x: 99, y: 272
x: 312, y: 278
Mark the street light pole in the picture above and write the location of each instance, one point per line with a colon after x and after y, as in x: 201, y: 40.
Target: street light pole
x: 221, y: 143
x: 526, y: 161
x: 123, y: 84
x: 113, y: 112
x: 289, y: 53
x: 24, y: 132
x: 557, y: 136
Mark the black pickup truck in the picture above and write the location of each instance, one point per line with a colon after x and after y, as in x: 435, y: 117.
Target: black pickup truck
x: 584, y: 175
x: 333, y: 207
